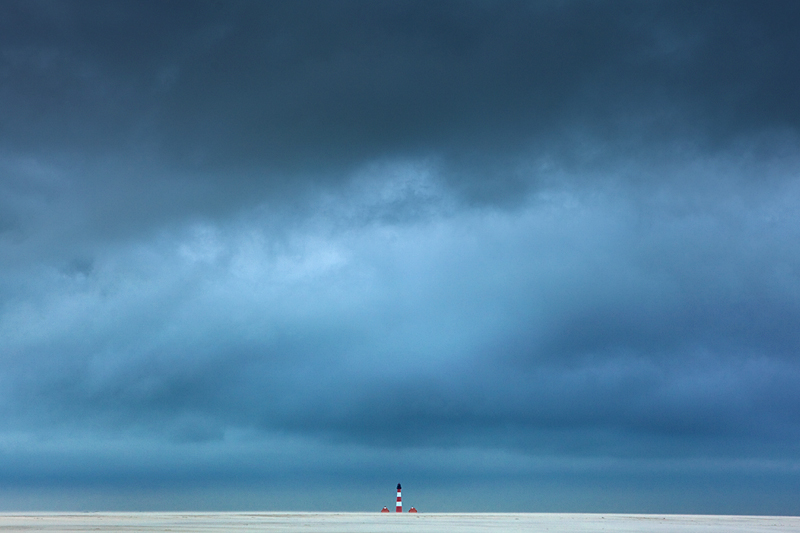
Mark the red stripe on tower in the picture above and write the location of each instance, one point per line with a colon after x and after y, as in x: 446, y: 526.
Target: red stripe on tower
x: 399, y: 500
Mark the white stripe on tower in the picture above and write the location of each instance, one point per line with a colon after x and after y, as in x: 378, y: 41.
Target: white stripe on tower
x: 399, y: 508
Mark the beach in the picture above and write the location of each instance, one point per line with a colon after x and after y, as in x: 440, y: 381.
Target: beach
x: 392, y: 522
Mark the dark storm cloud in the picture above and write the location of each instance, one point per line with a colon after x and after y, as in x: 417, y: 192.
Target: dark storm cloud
x: 118, y: 118
x: 258, y: 93
x: 251, y: 241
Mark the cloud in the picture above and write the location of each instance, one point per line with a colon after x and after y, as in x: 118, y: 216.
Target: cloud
x: 467, y: 320
x: 516, y: 233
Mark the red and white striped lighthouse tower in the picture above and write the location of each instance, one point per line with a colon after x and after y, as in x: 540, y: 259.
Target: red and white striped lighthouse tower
x: 399, y: 508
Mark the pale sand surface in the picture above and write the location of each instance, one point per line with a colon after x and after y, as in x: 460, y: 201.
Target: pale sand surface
x: 377, y: 522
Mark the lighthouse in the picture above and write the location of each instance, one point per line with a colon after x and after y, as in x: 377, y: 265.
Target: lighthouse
x: 399, y: 507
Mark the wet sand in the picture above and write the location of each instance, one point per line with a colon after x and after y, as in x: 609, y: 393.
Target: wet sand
x: 391, y: 522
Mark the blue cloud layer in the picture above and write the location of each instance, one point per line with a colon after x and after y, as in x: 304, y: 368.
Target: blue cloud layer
x: 521, y: 247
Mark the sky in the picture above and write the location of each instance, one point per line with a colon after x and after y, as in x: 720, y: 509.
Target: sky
x: 517, y: 256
